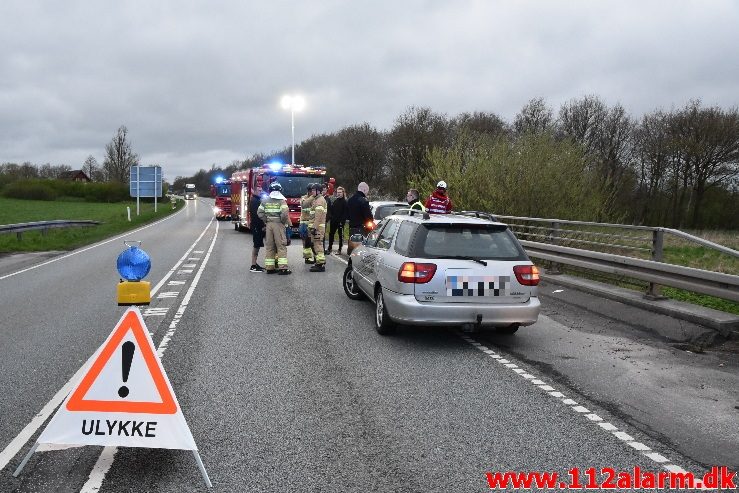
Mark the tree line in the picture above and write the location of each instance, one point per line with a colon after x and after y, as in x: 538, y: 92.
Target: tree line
x: 588, y: 160
x: 116, y: 167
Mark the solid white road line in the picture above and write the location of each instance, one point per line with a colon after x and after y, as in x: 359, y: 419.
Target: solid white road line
x: 26, y: 433
x: 95, y: 245
x: 107, y: 456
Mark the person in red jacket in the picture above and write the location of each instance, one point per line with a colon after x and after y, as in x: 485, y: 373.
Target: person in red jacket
x: 438, y: 202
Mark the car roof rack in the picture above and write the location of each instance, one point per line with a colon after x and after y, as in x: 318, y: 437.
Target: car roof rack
x: 480, y: 215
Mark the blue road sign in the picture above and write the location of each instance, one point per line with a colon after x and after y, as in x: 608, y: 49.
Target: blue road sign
x: 146, y: 181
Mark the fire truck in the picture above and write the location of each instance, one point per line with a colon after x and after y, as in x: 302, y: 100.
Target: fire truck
x: 293, y: 178
x: 221, y: 192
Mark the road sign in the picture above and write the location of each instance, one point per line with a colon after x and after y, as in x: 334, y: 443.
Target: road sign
x: 146, y: 181
x: 123, y: 399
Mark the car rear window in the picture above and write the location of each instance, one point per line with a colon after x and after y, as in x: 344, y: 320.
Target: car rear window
x: 385, y: 210
x: 484, y: 241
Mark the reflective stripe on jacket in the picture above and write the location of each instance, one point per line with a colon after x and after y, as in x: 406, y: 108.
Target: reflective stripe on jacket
x: 273, y: 211
x: 318, y: 213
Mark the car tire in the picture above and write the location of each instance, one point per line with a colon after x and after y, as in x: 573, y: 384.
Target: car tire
x: 383, y: 325
x: 350, y: 286
x: 509, y: 330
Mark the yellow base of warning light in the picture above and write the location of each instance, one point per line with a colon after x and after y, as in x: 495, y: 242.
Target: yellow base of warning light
x: 134, y: 293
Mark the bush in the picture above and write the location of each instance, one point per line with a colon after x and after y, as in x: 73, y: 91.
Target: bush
x: 30, y: 190
x: 54, y: 189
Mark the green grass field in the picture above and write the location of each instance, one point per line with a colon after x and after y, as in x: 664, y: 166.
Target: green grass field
x: 113, y: 217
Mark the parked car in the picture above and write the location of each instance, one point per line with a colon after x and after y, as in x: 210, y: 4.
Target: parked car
x: 444, y: 270
x: 383, y: 208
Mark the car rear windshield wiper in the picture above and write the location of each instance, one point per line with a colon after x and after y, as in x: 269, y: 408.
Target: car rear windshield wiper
x: 474, y: 259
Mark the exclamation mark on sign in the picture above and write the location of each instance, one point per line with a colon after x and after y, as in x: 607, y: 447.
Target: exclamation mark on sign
x: 127, y: 350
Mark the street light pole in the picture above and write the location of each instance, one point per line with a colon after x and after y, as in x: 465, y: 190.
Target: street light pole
x: 292, y: 124
x: 293, y: 103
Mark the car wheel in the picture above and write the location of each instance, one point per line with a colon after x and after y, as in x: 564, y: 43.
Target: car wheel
x: 383, y: 324
x: 350, y: 286
x: 511, y: 329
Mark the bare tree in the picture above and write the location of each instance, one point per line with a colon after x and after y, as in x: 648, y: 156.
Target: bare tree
x: 119, y: 157
x: 415, y: 134
x: 535, y: 117
x: 90, y: 166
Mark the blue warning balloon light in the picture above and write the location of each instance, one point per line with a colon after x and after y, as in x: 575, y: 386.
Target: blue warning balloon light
x: 133, y: 263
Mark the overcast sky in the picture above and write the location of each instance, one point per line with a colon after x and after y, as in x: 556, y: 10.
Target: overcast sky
x: 199, y: 82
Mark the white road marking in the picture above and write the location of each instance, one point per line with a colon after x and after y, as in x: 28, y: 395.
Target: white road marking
x: 155, y: 312
x: 168, y: 294
x: 15, y: 445
x: 184, y: 271
x: 657, y: 457
x: 175, y: 283
x: 625, y: 437
x: 107, y: 456
x: 638, y: 446
x: 77, y: 252
x: 189, y: 266
x: 558, y: 291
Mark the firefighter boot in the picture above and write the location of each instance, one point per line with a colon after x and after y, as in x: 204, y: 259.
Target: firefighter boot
x: 318, y: 268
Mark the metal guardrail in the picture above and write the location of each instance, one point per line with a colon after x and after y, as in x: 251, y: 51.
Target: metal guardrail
x: 553, y: 240
x: 44, y: 226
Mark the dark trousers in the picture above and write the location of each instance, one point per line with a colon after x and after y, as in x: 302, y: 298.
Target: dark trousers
x: 333, y: 228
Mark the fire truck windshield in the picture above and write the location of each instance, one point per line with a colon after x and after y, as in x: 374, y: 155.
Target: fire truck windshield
x: 295, y: 186
x: 223, y: 191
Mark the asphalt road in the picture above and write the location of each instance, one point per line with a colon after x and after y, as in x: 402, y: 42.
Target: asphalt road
x: 286, y: 386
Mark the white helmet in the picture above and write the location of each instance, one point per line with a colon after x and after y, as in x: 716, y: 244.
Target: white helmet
x: 441, y: 184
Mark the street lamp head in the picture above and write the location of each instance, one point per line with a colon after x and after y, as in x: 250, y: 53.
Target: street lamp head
x: 294, y: 103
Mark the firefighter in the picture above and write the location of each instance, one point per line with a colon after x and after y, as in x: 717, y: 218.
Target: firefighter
x: 305, y: 206
x: 274, y: 212
x: 317, y: 227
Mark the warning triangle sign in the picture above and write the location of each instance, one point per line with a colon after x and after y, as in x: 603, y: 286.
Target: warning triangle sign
x: 124, y: 398
x: 132, y: 328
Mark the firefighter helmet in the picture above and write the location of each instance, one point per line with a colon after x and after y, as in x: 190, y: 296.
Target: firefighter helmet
x: 317, y: 186
x: 275, y: 187
x: 441, y: 184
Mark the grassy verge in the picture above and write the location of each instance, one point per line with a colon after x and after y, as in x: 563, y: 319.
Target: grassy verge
x: 113, y: 217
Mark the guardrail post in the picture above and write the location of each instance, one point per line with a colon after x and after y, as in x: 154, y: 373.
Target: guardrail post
x: 554, y: 267
x: 19, y: 236
x: 654, y: 291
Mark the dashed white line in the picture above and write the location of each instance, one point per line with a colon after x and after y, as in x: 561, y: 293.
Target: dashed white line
x: 168, y: 294
x: 15, y: 445
x: 155, y: 312
x: 105, y: 461
x: 581, y: 410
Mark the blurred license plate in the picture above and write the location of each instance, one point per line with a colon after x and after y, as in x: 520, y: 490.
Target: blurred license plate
x: 478, y: 286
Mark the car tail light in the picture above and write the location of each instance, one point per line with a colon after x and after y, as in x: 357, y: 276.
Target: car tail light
x: 414, y: 273
x: 528, y: 275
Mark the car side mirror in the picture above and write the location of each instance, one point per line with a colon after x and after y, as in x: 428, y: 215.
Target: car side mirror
x: 356, y: 238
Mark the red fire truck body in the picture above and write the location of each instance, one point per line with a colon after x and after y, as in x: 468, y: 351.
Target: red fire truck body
x: 293, y: 178
x: 221, y: 192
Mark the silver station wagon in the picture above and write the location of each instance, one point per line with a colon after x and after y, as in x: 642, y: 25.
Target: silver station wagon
x: 448, y: 270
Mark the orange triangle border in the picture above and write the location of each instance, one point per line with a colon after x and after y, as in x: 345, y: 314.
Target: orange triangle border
x: 132, y: 322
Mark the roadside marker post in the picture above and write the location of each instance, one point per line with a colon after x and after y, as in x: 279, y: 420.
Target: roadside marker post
x: 123, y: 399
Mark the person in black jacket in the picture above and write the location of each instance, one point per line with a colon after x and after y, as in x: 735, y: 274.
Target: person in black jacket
x: 257, y: 232
x: 358, y: 211
x: 338, y: 218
